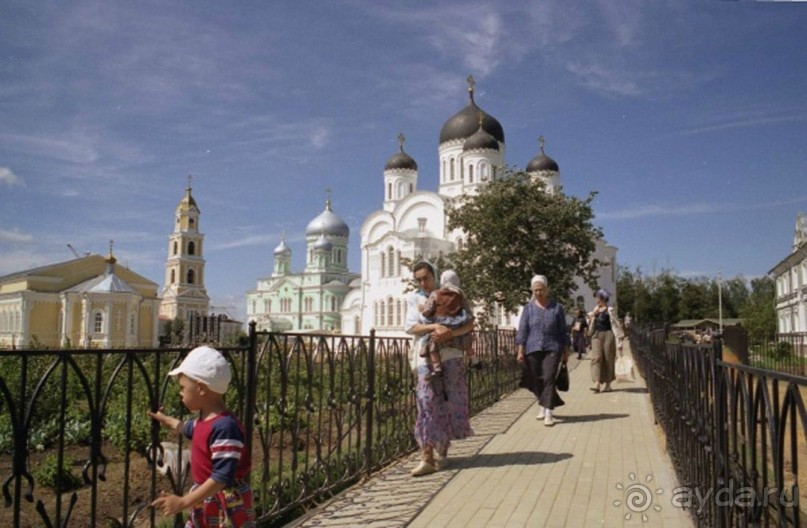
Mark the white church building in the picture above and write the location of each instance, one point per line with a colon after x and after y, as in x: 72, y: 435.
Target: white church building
x: 412, y: 223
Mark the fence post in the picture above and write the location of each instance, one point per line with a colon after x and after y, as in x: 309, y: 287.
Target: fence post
x: 370, y: 395
x: 720, y: 473
x: 252, y: 381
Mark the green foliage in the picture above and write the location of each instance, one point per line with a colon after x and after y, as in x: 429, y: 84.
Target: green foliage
x: 514, y: 230
x: 140, y: 430
x: 49, y: 474
x: 759, y: 311
x: 782, y: 350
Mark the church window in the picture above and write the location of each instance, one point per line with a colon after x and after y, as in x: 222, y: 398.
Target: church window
x: 451, y: 177
x: 443, y: 172
x: 470, y: 173
x: 483, y: 170
x: 383, y: 264
x: 267, y: 305
x: 389, y: 312
x: 253, y: 307
x: 383, y: 313
x: 191, y: 248
x: 333, y: 304
x: 98, y: 322
x: 173, y: 276
x: 309, y: 304
x: 411, y: 187
x: 391, y: 261
x: 398, y: 312
x: 191, y: 276
x: 356, y: 325
x: 389, y: 191
x: 176, y: 248
x: 191, y: 221
x: 398, y: 263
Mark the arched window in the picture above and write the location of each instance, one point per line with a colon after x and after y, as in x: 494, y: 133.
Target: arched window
x: 443, y: 172
x: 191, y: 248
x: 383, y: 312
x: 191, y: 276
x: 398, y: 263
x: 389, y: 312
x: 470, y: 173
x: 98, y: 323
x: 173, y: 276
x: 398, y: 312
x: 391, y: 261
x: 411, y: 188
x: 383, y: 264
x: 483, y: 172
x: 389, y: 191
x: 451, y: 177
x: 176, y: 248
x: 356, y: 325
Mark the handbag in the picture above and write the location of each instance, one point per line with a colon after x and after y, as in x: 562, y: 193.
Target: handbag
x: 624, y: 369
x: 562, y: 379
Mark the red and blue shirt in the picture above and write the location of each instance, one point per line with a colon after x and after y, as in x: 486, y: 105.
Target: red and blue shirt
x: 218, y: 449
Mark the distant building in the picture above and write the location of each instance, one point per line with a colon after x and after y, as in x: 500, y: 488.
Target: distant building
x: 184, y: 294
x: 310, y: 300
x: 790, y: 277
x: 82, y: 303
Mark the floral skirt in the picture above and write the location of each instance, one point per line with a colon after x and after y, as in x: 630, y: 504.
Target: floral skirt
x: 229, y: 508
x: 442, y: 405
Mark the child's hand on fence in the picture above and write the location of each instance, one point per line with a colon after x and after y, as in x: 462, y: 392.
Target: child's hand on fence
x: 168, y: 504
x: 166, y: 421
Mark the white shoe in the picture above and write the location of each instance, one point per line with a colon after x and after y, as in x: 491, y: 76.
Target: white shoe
x: 549, y: 421
x: 541, y: 413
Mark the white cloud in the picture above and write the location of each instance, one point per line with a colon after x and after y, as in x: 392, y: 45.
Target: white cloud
x: 15, y: 236
x: 645, y: 211
x: 8, y: 177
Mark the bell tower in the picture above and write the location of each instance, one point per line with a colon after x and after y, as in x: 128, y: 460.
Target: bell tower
x: 184, y: 293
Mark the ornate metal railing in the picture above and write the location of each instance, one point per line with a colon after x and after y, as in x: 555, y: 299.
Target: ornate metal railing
x: 321, y: 412
x: 735, y: 433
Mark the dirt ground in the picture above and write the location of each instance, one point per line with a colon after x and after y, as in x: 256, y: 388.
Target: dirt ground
x: 109, y: 497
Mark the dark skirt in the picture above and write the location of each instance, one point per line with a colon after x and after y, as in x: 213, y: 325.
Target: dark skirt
x: 538, y: 376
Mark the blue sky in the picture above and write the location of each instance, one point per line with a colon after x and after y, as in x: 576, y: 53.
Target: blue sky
x: 688, y: 117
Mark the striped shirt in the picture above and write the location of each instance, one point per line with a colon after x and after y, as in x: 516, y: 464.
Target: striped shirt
x: 217, y: 449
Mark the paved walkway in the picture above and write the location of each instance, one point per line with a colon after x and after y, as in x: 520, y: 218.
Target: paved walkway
x: 601, y: 465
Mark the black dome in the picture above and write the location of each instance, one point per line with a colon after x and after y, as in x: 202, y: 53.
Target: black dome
x: 542, y: 162
x: 481, y: 140
x: 401, y: 160
x: 465, y: 123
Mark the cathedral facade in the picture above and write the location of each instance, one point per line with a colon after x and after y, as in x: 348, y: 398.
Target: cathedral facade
x: 410, y: 224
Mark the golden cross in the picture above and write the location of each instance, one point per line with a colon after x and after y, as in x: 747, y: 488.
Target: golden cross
x: 189, y: 181
x: 401, y: 140
x: 541, y: 142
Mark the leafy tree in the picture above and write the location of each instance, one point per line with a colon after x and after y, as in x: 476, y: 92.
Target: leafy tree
x: 513, y: 230
x: 759, y: 312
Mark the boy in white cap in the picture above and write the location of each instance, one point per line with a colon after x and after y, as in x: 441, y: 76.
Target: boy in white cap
x: 447, y: 306
x: 220, y: 462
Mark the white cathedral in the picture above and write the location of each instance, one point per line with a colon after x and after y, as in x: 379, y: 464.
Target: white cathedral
x: 411, y: 223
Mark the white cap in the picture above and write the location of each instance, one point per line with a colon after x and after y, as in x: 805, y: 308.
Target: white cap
x: 206, y: 365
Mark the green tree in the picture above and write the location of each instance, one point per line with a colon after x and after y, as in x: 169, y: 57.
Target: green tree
x: 514, y: 229
x: 759, y: 311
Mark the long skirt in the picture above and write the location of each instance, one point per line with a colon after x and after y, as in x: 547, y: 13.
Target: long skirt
x: 538, y: 376
x: 603, y: 357
x: 442, y: 405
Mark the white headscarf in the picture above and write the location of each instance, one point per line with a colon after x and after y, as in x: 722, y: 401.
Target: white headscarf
x: 539, y: 278
x: 449, y: 277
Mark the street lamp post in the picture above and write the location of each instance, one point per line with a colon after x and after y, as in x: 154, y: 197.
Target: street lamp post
x: 720, y: 301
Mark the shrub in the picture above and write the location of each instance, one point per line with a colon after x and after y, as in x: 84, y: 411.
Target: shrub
x: 50, y: 475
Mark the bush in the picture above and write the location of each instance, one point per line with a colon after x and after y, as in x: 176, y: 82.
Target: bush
x: 50, y: 475
x: 782, y: 350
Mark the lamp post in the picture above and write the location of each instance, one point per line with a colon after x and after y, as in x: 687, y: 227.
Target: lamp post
x: 720, y: 301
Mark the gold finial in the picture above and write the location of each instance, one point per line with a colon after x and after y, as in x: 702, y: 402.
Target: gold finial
x: 481, y: 118
x: 328, y: 198
x: 189, y: 181
x: 541, y: 142
x: 111, y: 258
x: 471, y: 84
x: 401, y: 139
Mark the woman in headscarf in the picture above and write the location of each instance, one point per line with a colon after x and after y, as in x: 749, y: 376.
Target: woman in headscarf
x: 442, y: 403
x: 606, y: 338
x: 542, y: 343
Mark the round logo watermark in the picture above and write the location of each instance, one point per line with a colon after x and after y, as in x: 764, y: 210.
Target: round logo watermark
x: 638, y: 497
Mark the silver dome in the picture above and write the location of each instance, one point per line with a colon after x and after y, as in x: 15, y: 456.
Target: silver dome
x: 282, y: 248
x: 327, y: 223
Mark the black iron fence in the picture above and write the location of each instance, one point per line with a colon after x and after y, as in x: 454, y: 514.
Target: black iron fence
x: 735, y: 433
x: 321, y: 412
x: 784, y: 353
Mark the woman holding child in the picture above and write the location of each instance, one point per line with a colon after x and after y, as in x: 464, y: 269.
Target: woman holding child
x: 442, y: 402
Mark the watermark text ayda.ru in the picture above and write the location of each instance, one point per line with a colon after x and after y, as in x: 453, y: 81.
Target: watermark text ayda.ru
x: 745, y: 497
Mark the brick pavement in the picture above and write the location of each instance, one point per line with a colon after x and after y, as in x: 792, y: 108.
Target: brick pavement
x: 516, y: 472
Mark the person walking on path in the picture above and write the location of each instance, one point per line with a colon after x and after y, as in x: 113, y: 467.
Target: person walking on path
x: 442, y: 405
x: 606, y: 337
x: 579, y: 340
x: 542, y: 342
